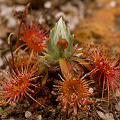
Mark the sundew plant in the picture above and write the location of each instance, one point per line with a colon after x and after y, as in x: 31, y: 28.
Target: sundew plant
x: 75, y: 69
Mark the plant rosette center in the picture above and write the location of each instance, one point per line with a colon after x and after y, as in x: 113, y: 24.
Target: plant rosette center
x: 73, y: 90
x: 34, y: 42
x: 21, y: 84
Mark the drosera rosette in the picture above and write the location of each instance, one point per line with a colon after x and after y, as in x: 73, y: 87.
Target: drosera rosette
x: 32, y: 33
x: 73, y: 92
x: 22, y: 58
x: 34, y: 36
x: 20, y: 80
x: 17, y: 84
x: 106, y: 67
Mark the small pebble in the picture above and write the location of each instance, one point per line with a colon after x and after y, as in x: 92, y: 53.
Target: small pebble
x: 112, y: 4
x: 53, y: 93
x: 101, y: 114
x: 11, y: 119
x: 91, y: 90
x: 6, y: 11
x: 28, y: 114
x: 41, y: 20
x: 39, y: 117
x: 20, y: 8
x: 11, y: 22
x: 109, y: 116
x: 47, y: 4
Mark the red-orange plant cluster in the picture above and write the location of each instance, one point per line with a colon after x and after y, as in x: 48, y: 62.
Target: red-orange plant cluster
x: 106, y: 66
x: 73, y: 93
x: 17, y: 85
x: 34, y: 36
x: 77, y: 66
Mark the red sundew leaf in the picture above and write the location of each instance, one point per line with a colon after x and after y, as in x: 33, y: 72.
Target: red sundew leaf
x: 106, y: 66
x: 17, y: 86
x: 73, y: 93
x: 34, y: 36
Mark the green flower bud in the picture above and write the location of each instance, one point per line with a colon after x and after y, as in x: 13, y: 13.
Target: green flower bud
x: 60, y: 42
